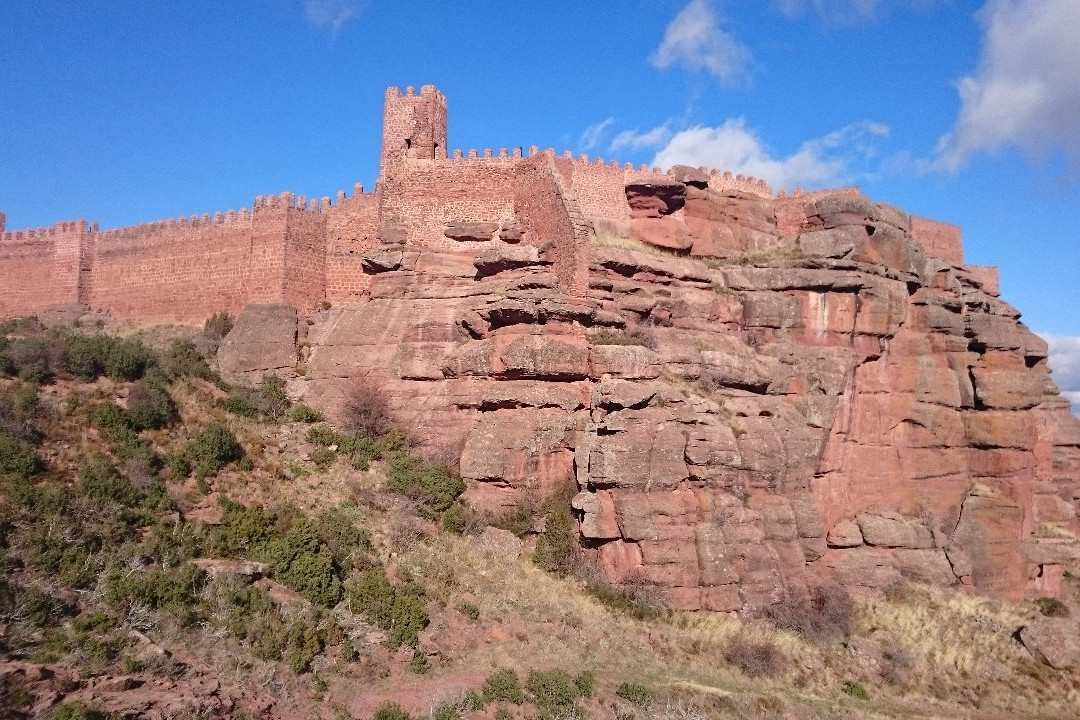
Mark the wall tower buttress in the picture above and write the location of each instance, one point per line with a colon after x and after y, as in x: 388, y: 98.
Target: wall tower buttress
x: 414, y: 126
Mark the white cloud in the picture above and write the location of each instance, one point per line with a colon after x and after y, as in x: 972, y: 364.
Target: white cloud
x: 1065, y: 366
x: 695, y: 40
x: 590, y: 138
x: 839, y: 12
x: 332, y: 15
x: 825, y: 161
x: 636, y: 140
x: 1026, y: 90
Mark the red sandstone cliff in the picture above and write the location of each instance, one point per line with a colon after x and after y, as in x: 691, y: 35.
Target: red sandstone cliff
x: 750, y: 393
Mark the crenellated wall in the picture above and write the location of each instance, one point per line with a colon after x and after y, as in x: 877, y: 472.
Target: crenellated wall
x: 294, y: 250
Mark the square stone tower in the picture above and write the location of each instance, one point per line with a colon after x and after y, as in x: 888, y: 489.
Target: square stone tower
x: 414, y: 126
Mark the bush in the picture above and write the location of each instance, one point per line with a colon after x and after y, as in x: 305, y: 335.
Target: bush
x: 552, y: 689
x: 17, y: 459
x: 149, y: 406
x: 34, y: 359
x: 398, y: 610
x: 390, y: 711
x: 268, y: 400
x: 435, y: 486
x: 642, y: 336
x: 183, y: 359
x: 367, y: 411
x: 77, y: 710
x: 303, y: 553
x: 503, y: 685
x: 305, y: 414
x: 98, y: 479
x: 829, y: 614
x: 211, y: 449
x: 586, y: 683
x: 127, y: 360
x: 1052, y: 607
x: 175, y: 589
x: 301, y: 561
x: 634, y: 693
x: 217, y: 326
x: 454, y: 519
x: 855, y: 690
x: 755, y: 658
x: 557, y: 547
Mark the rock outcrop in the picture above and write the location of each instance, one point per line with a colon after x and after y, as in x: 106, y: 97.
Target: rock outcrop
x: 747, y: 396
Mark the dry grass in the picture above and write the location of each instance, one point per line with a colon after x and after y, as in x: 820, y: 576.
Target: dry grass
x: 622, y: 242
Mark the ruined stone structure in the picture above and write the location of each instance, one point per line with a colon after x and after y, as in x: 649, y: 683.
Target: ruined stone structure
x: 748, y: 392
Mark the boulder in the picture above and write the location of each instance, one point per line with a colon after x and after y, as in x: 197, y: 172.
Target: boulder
x: 1053, y: 641
x: 263, y: 340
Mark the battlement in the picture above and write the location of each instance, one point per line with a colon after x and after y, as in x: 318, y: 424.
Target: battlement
x: 48, y: 234
x: 303, y: 249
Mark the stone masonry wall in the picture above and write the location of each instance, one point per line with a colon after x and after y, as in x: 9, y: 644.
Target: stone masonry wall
x: 40, y: 268
x: 351, y: 228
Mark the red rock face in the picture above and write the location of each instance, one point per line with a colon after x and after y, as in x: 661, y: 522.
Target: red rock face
x: 803, y: 396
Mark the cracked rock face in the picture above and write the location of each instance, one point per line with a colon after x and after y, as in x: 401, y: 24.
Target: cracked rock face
x: 772, y: 410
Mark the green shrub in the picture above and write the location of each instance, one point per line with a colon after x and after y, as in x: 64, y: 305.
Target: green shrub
x: 20, y: 408
x: 183, y: 359
x: 98, y: 479
x: 390, y: 711
x: 552, y: 689
x: 502, y: 713
x: 34, y: 359
x: 305, y: 414
x: 174, y: 589
x: 323, y: 457
x: 557, y: 546
x: 398, y: 610
x: 855, y: 690
x: 17, y: 459
x: 240, y: 402
x: 1052, y: 607
x: 127, y: 360
x: 435, y: 486
x: 266, y: 401
x: 503, y: 685
x: 212, y: 449
x: 86, y: 355
x: 586, y: 683
x: 77, y: 710
x: 150, y: 406
x: 634, y: 693
x: 301, y: 561
x: 455, y: 518
x: 469, y: 610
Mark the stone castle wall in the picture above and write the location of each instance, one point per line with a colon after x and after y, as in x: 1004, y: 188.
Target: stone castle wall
x: 289, y: 249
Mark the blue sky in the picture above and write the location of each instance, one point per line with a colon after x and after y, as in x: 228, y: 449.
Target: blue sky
x: 963, y: 111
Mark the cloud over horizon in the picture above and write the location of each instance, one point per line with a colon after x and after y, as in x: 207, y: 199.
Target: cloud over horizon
x: 836, y: 158
x: 1065, y: 365
x: 695, y: 40
x: 332, y: 15
x: 1026, y: 89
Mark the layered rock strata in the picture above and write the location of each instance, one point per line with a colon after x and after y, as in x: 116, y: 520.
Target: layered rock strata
x: 747, y: 396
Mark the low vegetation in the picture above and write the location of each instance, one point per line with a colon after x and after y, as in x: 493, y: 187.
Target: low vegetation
x: 152, y: 532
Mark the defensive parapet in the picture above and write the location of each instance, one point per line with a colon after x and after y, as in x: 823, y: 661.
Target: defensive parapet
x: 414, y: 126
x: 289, y: 247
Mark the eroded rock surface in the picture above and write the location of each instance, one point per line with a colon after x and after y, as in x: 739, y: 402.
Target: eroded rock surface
x: 805, y: 395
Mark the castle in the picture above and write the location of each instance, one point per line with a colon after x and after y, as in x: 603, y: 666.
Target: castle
x: 304, y: 251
